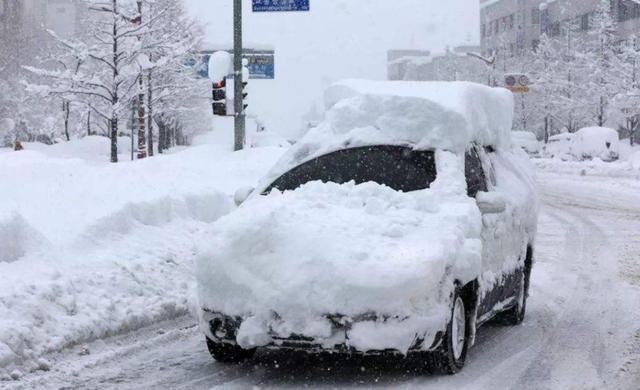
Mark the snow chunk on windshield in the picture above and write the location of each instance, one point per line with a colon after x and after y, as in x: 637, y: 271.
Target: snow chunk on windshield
x: 424, y: 115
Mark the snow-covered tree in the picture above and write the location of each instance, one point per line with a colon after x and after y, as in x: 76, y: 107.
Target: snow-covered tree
x: 106, y: 79
x: 603, y: 62
x: 171, y: 88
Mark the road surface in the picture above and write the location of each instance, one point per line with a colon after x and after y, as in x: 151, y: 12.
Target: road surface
x: 582, y: 329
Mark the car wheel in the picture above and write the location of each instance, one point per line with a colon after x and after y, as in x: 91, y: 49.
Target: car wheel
x: 451, y: 356
x: 228, y: 353
x: 515, y: 315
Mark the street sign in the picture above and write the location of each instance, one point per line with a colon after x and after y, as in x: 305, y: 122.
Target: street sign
x: 517, y: 83
x: 261, y: 64
x: 280, y: 5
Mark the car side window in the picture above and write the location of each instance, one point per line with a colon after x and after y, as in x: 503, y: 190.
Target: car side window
x: 474, y: 173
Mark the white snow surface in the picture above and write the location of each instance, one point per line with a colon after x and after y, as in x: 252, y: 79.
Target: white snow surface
x: 425, y: 115
x: 344, y: 249
x: 89, y: 249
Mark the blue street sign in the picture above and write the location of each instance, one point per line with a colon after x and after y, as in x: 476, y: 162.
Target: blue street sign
x: 280, y: 5
x: 261, y: 66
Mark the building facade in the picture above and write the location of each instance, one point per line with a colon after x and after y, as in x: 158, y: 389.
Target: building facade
x: 422, y: 65
x: 509, y: 27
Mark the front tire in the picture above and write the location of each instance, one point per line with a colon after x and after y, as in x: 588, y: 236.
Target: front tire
x: 451, y: 356
x: 228, y: 353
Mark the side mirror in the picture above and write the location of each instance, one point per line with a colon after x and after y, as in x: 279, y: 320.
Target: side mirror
x: 491, y: 202
x: 242, y: 194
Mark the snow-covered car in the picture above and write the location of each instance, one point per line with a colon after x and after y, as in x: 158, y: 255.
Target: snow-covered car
x: 399, y: 225
x: 559, y: 146
x: 596, y: 142
x: 527, y: 141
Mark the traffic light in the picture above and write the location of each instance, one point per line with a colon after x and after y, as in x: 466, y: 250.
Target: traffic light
x: 219, y: 95
x: 244, y: 96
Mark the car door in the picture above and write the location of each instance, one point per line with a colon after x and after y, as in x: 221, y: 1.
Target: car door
x: 496, y: 287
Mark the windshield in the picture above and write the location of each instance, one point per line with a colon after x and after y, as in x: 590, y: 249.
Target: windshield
x: 398, y: 167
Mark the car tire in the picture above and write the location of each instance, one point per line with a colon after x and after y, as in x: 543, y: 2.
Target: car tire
x: 515, y: 315
x: 228, y: 353
x: 450, y: 357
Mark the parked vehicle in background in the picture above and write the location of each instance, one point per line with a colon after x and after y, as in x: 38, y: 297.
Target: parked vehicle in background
x: 527, y: 141
x: 559, y: 146
x: 595, y: 142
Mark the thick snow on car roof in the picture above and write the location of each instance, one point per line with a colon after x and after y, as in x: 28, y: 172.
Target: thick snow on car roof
x: 423, y: 115
x: 455, y: 113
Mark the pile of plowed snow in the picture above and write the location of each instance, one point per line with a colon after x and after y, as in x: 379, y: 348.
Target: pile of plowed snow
x: 89, y: 249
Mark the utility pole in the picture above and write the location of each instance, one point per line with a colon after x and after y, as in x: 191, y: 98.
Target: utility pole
x: 238, y: 80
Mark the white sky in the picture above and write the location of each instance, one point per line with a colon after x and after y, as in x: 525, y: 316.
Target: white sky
x: 337, y: 39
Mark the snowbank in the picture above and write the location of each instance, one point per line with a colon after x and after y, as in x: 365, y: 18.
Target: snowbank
x: 89, y: 249
x: 17, y: 238
x: 426, y: 115
x: 92, y: 148
x: 344, y: 249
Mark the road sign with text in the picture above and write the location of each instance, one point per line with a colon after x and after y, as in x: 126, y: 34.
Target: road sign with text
x: 280, y: 5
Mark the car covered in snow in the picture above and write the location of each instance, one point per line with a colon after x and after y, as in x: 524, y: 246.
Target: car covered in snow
x: 399, y: 225
x: 559, y: 146
x: 527, y: 141
x: 596, y: 142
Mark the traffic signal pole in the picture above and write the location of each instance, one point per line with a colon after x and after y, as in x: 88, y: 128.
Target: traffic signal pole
x: 238, y: 80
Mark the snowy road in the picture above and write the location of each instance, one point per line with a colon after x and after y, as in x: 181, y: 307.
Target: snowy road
x: 582, y: 330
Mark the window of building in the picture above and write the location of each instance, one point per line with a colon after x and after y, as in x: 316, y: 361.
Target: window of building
x: 483, y: 30
x: 554, y: 29
x: 535, y: 43
x: 511, y: 21
x: 496, y: 27
x: 505, y: 21
x: 535, y: 15
x: 512, y: 50
x: 490, y: 29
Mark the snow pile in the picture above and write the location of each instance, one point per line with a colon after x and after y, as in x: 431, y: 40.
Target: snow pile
x: 596, y: 142
x: 89, y: 249
x: 92, y: 148
x: 266, y: 138
x: 344, y: 249
x: 426, y: 115
x: 17, y: 238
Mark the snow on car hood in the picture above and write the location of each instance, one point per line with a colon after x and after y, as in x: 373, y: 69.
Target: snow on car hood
x: 350, y: 249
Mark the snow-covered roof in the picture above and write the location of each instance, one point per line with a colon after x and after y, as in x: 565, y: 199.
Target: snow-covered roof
x: 424, y: 115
